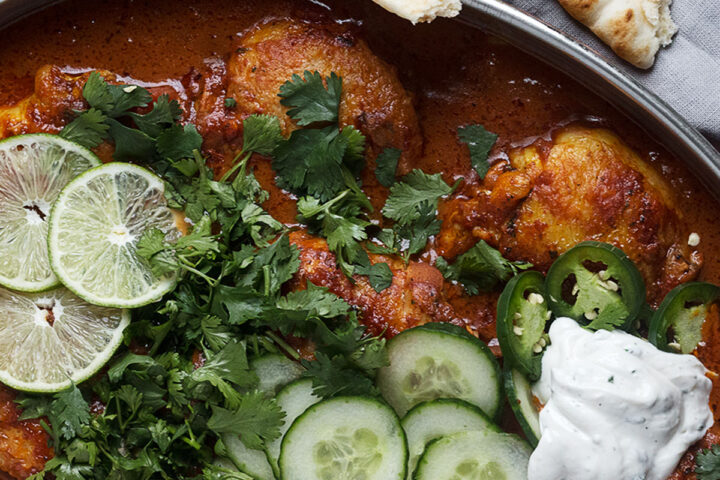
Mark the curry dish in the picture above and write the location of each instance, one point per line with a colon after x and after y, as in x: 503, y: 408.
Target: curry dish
x: 566, y: 167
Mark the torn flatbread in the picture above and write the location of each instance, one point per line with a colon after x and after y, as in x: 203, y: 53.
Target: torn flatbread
x: 634, y: 29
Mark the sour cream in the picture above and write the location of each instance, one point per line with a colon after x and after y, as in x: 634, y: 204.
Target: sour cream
x: 616, y: 407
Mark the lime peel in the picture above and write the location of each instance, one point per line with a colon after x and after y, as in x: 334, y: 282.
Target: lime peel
x: 94, y: 228
x: 33, y: 170
x: 52, y: 339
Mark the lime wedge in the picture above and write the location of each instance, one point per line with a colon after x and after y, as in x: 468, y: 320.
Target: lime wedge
x: 33, y: 170
x: 52, y: 339
x: 94, y: 228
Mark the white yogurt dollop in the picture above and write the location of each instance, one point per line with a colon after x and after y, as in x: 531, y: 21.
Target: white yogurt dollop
x: 616, y: 407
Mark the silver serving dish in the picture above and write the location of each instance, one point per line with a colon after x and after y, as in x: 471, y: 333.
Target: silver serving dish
x: 527, y: 33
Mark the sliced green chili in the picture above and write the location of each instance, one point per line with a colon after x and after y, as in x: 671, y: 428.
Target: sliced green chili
x: 522, y: 315
x: 597, y: 285
x: 677, y: 325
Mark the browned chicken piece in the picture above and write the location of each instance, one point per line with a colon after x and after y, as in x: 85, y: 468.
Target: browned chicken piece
x: 585, y: 185
x: 415, y: 297
x: 373, y: 99
x: 23, y: 444
x: 57, y: 94
x: 49, y: 108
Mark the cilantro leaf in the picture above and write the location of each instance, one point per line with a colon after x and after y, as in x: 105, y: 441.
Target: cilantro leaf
x: 261, y: 134
x: 88, y: 129
x: 707, y: 463
x: 379, y: 274
x: 387, y: 163
x: 178, y: 142
x: 97, y: 93
x: 257, y: 419
x: 480, y: 269
x: 69, y: 412
x: 266, y: 269
x: 412, y: 204
x: 335, y: 375
x: 479, y: 142
x: 417, y: 188
x: 130, y: 144
x: 310, y: 162
x: 318, y: 301
x: 165, y: 257
x: 355, y: 152
x: 340, y: 222
x: 311, y: 101
x: 165, y: 113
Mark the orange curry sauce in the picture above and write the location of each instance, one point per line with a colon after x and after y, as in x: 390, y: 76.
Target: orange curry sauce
x: 456, y: 75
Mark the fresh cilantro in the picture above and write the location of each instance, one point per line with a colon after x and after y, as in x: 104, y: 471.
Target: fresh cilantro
x: 340, y: 221
x: 479, y: 142
x: 379, y: 274
x: 68, y: 412
x: 89, y: 128
x: 404, y: 205
x: 178, y: 142
x: 158, y: 411
x: 312, y: 102
x: 412, y: 204
x: 707, y: 464
x: 387, y: 163
x: 261, y: 134
x: 230, y: 102
x: 355, y: 152
x: 335, y: 376
x: 257, y: 420
x: 184, y: 254
x: 316, y: 301
x: 310, y: 162
x: 480, y: 269
x: 156, y: 136
x: 346, y: 362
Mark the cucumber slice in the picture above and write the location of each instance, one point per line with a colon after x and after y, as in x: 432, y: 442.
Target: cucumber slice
x: 431, y: 362
x: 294, y: 399
x: 522, y: 403
x: 438, y: 418
x: 275, y: 371
x: 229, y: 471
x: 475, y: 456
x: 345, y: 438
x: 247, y: 460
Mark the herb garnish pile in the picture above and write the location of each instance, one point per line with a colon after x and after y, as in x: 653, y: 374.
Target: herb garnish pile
x: 160, y: 407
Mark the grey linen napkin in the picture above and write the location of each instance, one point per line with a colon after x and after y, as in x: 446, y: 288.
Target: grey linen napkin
x: 686, y: 74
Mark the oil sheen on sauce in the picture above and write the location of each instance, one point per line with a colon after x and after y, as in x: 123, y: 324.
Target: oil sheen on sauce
x: 616, y: 407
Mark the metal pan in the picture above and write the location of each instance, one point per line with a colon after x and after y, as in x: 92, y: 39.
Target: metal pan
x: 645, y: 108
x: 554, y: 48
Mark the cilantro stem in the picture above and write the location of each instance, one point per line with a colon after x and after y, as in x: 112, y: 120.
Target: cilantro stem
x: 191, y: 441
x: 266, y: 279
x: 185, y: 264
x: 241, y: 165
x: 283, y: 345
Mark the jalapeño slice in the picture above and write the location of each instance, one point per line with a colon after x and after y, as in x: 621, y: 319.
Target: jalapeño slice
x: 597, y: 285
x: 522, y: 315
x: 677, y: 325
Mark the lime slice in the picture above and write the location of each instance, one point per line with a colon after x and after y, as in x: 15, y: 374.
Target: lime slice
x: 33, y: 170
x: 52, y: 339
x: 95, y: 225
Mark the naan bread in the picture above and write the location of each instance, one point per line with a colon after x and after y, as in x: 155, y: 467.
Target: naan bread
x: 421, y: 10
x: 634, y: 29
